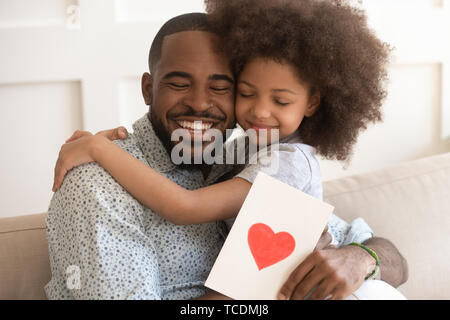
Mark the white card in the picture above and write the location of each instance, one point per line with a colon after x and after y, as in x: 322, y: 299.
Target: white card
x: 277, y: 227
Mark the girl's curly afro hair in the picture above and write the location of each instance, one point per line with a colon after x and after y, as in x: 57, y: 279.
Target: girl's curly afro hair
x: 333, y: 49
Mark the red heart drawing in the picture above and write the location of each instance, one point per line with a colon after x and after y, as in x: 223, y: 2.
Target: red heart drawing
x: 268, y: 247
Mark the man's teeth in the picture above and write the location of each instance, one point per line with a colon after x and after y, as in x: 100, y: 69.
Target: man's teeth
x: 197, y: 125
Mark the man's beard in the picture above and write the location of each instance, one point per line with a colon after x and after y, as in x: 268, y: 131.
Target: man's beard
x: 168, y: 144
x: 161, y: 132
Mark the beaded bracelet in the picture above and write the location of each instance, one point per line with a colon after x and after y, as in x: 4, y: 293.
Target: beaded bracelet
x: 374, y: 255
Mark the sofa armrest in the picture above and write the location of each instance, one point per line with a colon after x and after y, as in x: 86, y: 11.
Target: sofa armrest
x: 24, y: 261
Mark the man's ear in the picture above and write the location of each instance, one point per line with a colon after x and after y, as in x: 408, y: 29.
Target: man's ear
x: 313, y: 105
x: 147, y: 87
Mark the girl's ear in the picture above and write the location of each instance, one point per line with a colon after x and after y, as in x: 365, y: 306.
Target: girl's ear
x: 147, y: 86
x: 313, y: 105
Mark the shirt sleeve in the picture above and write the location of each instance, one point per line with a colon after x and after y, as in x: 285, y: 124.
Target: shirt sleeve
x: 344, y: 233
x: 287, y: 164
x: 97, y: 245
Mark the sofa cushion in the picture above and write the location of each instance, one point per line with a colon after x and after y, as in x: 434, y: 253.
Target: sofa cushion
x: 408, y: 204
x: 24, y: 262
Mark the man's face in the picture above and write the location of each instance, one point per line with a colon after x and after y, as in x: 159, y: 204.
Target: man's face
x: 192, y: 82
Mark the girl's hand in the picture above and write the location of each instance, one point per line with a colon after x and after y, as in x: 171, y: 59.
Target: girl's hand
x: 119, y: 133
x: 73, y: 154
x: 77, y: 151
x: 77, y: 135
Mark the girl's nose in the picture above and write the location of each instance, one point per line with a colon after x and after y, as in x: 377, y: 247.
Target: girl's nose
x: 261, y: 110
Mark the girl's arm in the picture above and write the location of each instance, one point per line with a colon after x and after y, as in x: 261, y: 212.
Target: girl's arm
x: 177, y: 204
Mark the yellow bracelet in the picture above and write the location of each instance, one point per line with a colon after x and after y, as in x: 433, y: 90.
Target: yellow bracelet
x: 374, y: 255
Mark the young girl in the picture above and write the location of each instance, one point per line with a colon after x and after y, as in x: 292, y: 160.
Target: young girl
x: 310, y: 69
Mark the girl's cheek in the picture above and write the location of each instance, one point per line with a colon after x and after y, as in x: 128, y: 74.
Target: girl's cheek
x: 289, y: 124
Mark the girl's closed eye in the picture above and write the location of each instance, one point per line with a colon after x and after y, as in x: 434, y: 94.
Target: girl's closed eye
x: 281, y: 102
x: 245, y: 94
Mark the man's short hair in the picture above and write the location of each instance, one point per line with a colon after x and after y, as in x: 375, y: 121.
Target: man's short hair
x: 195, y: 21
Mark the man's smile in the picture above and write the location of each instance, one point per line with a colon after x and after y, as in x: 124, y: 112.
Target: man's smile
x: 196, y: 127
x: 197, y: 124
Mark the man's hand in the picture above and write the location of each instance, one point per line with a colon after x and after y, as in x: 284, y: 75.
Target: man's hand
x: 330, y: 271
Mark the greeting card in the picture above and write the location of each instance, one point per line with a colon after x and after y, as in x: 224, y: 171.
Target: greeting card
x: 277, y: 227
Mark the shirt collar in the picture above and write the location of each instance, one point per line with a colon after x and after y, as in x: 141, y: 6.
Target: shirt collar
x: 151, y: 146
x: 296, y: 138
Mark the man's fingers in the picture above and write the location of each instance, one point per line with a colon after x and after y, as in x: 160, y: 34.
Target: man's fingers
x: 311, y: 280
x: 295, y: 278
x: 115, y: 134
x: 340, y: 293
x: 323, y: 290
x: 78, y: 134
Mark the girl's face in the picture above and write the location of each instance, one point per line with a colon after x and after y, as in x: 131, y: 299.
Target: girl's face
x: 270, y: 95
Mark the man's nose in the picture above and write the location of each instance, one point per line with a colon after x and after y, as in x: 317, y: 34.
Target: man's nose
x: 198, y: 100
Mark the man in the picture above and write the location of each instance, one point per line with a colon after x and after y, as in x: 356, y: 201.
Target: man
x: 105, y: 245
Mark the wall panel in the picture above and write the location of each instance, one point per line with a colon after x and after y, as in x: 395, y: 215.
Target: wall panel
x: 35, y: 121
x: 411, y: 127
x: 131, y: 103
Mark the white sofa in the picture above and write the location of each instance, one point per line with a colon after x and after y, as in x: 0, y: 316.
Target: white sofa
x: 408, y: 204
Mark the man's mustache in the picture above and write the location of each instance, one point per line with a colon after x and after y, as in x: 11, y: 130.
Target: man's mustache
x: 213, y: 113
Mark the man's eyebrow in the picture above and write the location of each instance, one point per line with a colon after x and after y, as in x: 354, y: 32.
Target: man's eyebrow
x: 221, y: 77
x: 178, y: 74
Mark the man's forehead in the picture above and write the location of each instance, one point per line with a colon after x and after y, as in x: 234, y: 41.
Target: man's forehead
x: 192, y: 40
x: 192, y: 50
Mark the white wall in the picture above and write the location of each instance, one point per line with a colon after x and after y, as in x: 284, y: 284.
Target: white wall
x: 68, y: 64
x: 417, y: 111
